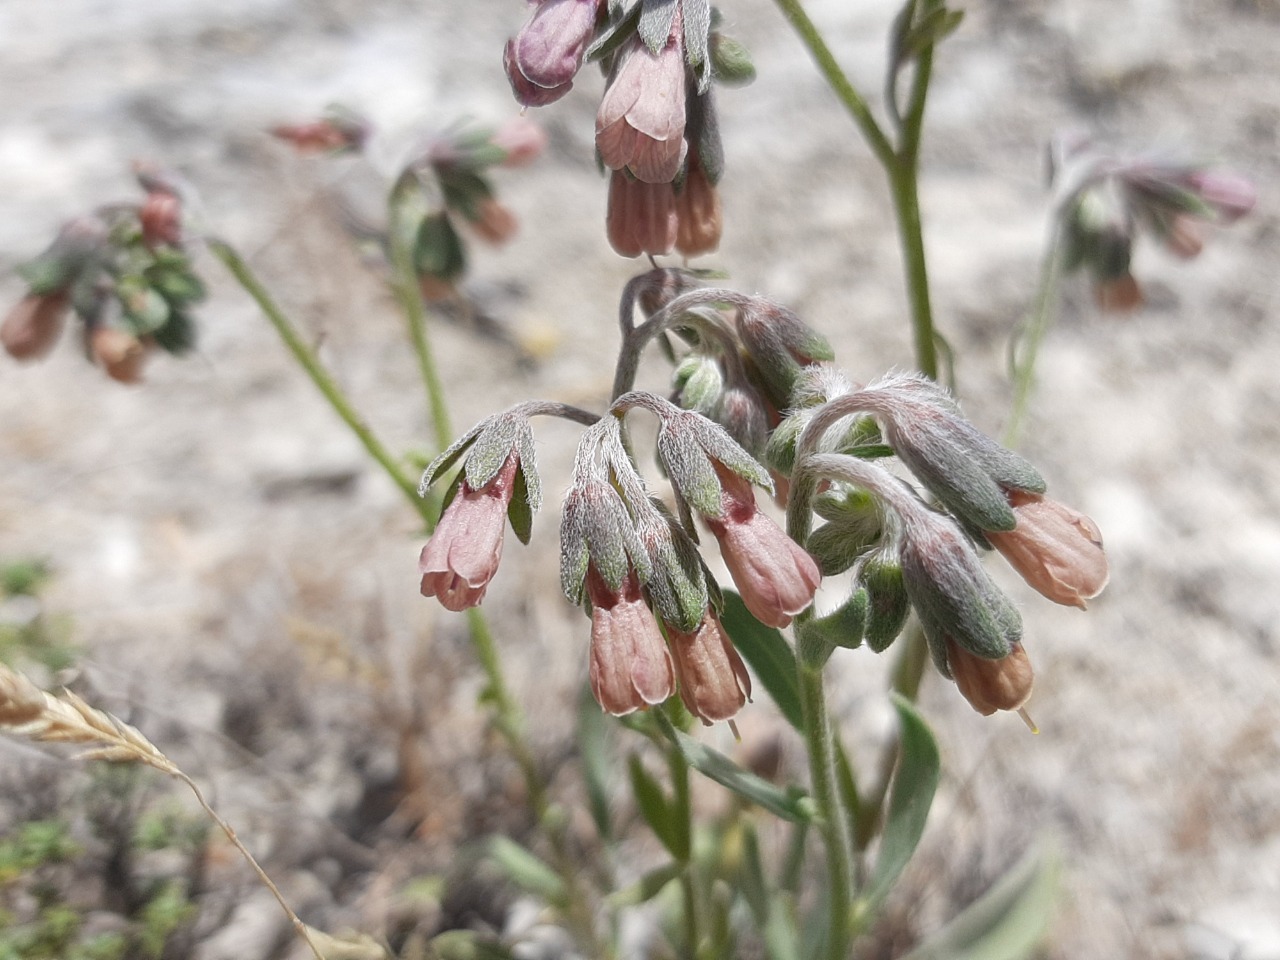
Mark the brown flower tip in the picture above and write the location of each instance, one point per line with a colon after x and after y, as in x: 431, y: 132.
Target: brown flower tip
x: 493, y: 222
x: 697, y: 214
x: 991, y: 685
x: 713, y: 680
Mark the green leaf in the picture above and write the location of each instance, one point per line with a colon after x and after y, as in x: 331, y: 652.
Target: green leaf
x: 769, y: 655
x: 655, y: 808
x: 518, y: 510
x: 179, y: 335
x: 914, y: 783
x: 595, y: 757
x: 647, y: 887
x: 1007, y: 922
x: 527, y: 871
x: 793, y: 805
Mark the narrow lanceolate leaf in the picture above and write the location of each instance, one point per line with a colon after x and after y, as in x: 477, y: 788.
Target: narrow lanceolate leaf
x: 911, y: 795
x: 449, y: 457
x: 594, y: 756
x: 1007, y: 922
x: 519, y: 510
x: 767, y: 653
x: 527, y: 871
x: 648, y: 886
x: 655, y: 808
x: 656, y: 17
x: 789, y: 805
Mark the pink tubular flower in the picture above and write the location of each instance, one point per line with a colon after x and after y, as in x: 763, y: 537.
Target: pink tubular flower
x: 641, y: 217
x: 698, y: 213
x: 774, y: 574
x: 547, y: 52
x: 714, y: 683
x: 630, y: 665
x: 463, y: 554
x: 640, y: 124
x: 521, y: 139
x: 1055, y: 549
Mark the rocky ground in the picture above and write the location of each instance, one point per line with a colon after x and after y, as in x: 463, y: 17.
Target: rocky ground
x: 243, y: 583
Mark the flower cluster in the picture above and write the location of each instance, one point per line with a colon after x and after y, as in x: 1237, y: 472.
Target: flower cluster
x: 123, y: 271
x: 656, y: 128
x: 763, y: 374
x: 904, y: 552
x: 444, y: 188
x: 1104, y: 202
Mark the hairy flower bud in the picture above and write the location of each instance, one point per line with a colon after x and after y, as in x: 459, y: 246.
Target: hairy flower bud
x: 779, y: 345
x: 714, y: 683
x: 32, y: 327
x: 952, y: 594
x: 1056, y: 550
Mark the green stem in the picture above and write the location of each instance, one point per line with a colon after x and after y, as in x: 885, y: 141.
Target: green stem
x: 1024, y: 367
x: 321, y: 377
x: 404, y: 283
x: 906, y: 204
x: 817, y: 735
x: 840, y: 85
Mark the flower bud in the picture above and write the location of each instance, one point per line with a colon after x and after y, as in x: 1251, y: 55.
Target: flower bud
x: 493, y: 222
x: 713, y: 680
x: 990, y: 685
x: 32, y: 327
x: 887, y: 601
x: 521, y: 140
x: 952, y: 594
x: 1056, y: 550
x: 630, y: 666
x: 1119, y: 294
x: 730, y: 61
x: 844, y: 626
x: 699, y: 383
x: 779, y: 344
x: 1231, y: 196
x: 547, y: 52
x: 341, y: 130
x: 854, y: 525
x: 161, y: 218
x: 528, y: 93
x: 118, y: 352
x: 438, y: 251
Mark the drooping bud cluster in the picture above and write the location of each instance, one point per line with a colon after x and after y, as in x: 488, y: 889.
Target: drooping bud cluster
x: 656, y: 129
x: 123, y: 271
x: 1105, y: 201
x: 902, y: 552
x: 754, y: 380
x: 445, y: 190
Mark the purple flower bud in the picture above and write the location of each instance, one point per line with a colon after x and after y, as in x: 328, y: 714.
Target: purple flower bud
x: 1229, y: 194
x: 640, y: 124
x: 528, y: 93
x: 547, y: 52
x: 463, y: 554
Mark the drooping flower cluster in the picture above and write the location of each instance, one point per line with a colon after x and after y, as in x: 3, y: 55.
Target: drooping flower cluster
x: 656, y: 129
x: 635, y: 567
x: 123, y: 271
x: 445, y: 188
x: 1105, y: 201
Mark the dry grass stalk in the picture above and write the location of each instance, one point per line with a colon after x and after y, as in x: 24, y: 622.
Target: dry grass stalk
x: 27, y: 711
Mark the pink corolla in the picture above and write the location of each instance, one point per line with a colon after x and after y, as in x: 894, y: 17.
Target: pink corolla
x: 714, y: 683
x: 546, y: 54
x: 1057, y: 550
x: 641, y: 217
x: 640, y: 124
x: 463, y: 553
x: 630, y: 665
x: 776, y: 576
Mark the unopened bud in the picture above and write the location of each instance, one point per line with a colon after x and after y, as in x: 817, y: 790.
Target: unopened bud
x: 119, y: 353
x: 731, y: 61
x: 887, y: 600
x: 521, y: 140
x: 32, y: 327
x: 493, y: 222
x: 780, y: 344
x: 1119, y: 294
x: 699, y: 382
x: 1057, y: 550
